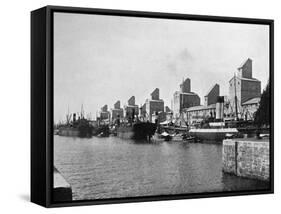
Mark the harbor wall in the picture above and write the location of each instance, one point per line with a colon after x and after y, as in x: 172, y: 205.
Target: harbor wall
x: 62, y: 190
x: 246, y: 158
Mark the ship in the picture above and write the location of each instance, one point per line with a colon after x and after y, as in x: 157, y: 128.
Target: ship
x: 101, y: 131
x: 137, y: 131
x: 73, y: 127
x: 215, y: 129
x: 80, y: 128
x: 216, y: 132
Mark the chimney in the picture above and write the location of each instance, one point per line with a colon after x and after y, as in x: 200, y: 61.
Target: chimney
x: 219, y: 107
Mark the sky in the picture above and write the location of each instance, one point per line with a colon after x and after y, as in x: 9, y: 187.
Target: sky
x: 101, y: 59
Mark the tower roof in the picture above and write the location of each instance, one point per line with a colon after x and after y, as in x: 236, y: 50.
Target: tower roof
x: 244, y: 62
x: 132, y: 101
x: 155, y: 94
x: 211, y: 89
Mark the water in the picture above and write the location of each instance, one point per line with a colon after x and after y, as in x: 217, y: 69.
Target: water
x: 112, y: 168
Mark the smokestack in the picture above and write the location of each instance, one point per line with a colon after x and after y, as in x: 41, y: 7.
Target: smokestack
x: 219, y: 108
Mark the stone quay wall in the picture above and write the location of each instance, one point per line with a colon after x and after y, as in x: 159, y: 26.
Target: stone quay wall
x: 246, y: 158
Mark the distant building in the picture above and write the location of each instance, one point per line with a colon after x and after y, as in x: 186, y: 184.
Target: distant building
x: 214, y: 111
x: 117, y: 105
x: 104, y: 114
x: 244, y: 86
x: 184, y: 98
x: 117, y: 111
x: 161, y: 116
x: 169, y: 116
x: 196, y: 114
x: 154, y: 105
x: 167, y: 109
x: 143, y: 111
x: 131, y: 108
x: 228, y: 110
x: 250, y: 107
x: 212, y: 95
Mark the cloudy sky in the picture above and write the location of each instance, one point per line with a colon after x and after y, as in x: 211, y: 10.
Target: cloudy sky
x: 101, y: 59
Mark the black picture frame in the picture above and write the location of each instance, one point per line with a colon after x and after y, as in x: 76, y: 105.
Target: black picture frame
x: 42, y: 103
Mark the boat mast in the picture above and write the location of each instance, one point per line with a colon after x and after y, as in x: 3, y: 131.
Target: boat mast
x: 181, y: 107
x: 67, y: 116
x: 235, y: 98
x: 82, y: 111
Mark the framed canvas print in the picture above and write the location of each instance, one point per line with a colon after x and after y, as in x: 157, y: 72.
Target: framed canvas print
x: 131, y: 106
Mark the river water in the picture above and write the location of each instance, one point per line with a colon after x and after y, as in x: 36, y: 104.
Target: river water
x: 112, y: 168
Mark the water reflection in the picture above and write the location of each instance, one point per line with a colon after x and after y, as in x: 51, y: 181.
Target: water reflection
x: 113, y: 167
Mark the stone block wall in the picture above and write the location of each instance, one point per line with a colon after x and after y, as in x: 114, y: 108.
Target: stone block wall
x: 253, y: 160
x: 229, y: 156
x: 246, y: 158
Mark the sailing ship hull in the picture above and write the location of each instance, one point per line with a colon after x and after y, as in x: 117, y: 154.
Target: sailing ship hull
x: 217, y: 134
x: 139, y: 131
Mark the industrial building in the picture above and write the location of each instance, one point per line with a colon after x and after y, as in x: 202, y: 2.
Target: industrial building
x: 247, y: 91
x: 154, y: 105
x: 131, y: 108
x: 104, y: 114
x: 196, y: 114
x: 243, y: 85
x: 250, y: 107
x: 117, y: 111
x: 168, y: 114
x: 211, y: 96
x: 184, y: 98
x: 143, y: 114
x: 213, y: 107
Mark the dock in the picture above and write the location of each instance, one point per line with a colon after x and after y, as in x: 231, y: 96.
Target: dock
x: 62, y: 190
x: 247, y: 158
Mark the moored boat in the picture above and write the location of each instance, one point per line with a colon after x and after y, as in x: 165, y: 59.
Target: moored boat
x: 212, y: 134
x: 74, y: 127
x: 137, y: 131
x: 81, y: 128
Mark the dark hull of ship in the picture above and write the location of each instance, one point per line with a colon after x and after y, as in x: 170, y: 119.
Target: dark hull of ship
x: 75, y: 132
x: 139, y: 131
x: 102, y: 131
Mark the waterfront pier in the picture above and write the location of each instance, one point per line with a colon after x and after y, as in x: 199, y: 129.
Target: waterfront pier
x: 62, y: 190
x: 247, y: 158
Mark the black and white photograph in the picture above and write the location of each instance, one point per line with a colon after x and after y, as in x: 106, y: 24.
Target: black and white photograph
x: 147, y: 106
